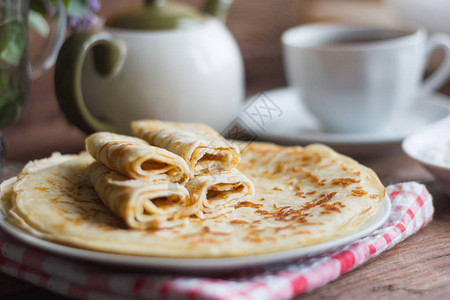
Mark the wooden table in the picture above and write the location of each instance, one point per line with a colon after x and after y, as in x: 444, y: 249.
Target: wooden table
x: 418, y: 268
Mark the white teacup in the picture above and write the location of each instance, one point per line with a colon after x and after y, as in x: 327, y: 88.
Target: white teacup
x: 355, y: 78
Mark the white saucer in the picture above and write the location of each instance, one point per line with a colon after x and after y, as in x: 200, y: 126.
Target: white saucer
x: 279, y: 116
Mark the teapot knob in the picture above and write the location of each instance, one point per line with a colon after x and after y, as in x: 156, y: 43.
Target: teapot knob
x: 218, y: 8
x: 155, y: 2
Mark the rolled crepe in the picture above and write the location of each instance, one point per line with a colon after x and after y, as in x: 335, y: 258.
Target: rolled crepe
x: 205, y: 151
x: 144, y: 203
x: 135, y: 158
x: 214, y: 195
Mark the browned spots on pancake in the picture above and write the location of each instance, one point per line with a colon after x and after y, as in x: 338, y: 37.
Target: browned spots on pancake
x: 326, y: 198
x: 328, y: 208
x: 41, y: 188
x: 238, y: 222
x: 202, y: 236
x: 54, y: 200
x: 319, y: 202
x: 278, y: 229
x: 311, y: 193
x: 366, y: 210
x: 220, y: 233
x: 315, y: 179
x: 300, y: 194
x: 327, y: 165
x: 262, y: 212
x: 254, y: 238
x: 302, y: 232
x: 294, y: 169
x: 150, y: 232
x: 68, y: 203
x: 63, y: 212
x: 313, y: 159
x: 59, y: 227
x: 84, y: 210
x: 277, y: 189
x: 287, y: 213
x: 358, y: 192
x: 189, y: 235
x: 266, y: 155
x: 373, y: 196
x: 199, y: 222
x: 249, y: 204
x: 95, y: 200
x: 206, y: 239
x: 296, y: 188
x: 278, y: 169
x: 51, y: 181
x: 256, y: 228
x: 344, y: 182
x: 223, y: 216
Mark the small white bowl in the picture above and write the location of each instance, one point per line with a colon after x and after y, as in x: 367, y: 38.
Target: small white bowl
x: 431, y: 148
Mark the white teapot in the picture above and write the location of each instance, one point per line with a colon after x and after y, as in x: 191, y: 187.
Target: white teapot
x: 164, y: 61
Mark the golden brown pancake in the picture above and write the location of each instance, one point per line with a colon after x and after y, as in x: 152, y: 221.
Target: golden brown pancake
x: 135, y: 158
x: 143, y: 203
x: 213, y: 195
x: 304, y: 196
x: 204, y: 150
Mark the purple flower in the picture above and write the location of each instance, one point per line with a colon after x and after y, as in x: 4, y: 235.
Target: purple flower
x: 94, y: 5
x: 89, y: 19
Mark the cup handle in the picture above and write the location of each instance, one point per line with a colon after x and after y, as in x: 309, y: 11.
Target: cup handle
x: 441, y: 74
x: 108, y: 58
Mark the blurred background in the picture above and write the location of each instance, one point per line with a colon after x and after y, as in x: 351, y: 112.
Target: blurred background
x: 256, y: 25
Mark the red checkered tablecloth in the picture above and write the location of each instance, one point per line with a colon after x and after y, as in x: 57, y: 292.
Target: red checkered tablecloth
x: 412, y: 208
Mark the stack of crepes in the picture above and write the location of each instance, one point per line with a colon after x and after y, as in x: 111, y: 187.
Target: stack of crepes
x: 172, y: 172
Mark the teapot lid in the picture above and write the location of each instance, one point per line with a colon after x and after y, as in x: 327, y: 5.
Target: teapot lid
x: 157, y: 15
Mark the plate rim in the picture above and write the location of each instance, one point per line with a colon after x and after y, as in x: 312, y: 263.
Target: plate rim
x: 194, y: 264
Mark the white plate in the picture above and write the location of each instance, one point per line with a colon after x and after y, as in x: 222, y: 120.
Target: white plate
x: 197, y: 265
x: 279, y: 116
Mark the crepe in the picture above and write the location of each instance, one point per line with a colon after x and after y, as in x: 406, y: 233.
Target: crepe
x: 144, y: 203
x: 202, y: 147
x: 218, y: 194
x: 304, y: 196
x: 135, y: 158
